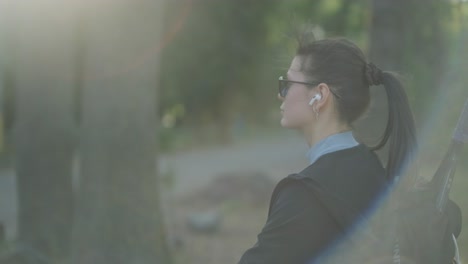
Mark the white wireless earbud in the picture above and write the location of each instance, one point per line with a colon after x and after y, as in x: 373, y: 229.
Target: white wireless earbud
x: 315, y: 98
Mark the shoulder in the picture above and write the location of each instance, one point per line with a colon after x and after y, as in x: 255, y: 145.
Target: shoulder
x: 348, y: 182
x: 291, y: 193
x: 298, y: 228
x: 294, y: 201
x: 295, y: 194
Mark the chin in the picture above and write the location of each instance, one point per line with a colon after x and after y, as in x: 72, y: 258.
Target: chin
x: 285, y: 124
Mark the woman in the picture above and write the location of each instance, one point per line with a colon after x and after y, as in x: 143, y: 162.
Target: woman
x: 326, y: 89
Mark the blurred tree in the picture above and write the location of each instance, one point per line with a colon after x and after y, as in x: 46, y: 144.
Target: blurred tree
x: 118, y: 217
x: 211, y: 64
x: 413, y: 44
x: 215, y: 64
x: 337, y: 17
x: 40, y: 45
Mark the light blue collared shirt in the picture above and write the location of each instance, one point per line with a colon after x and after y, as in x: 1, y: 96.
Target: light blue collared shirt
x: 331, y: 143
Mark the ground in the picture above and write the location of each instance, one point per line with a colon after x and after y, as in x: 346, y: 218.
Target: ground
x: 240, y: 224
x: 235, y: 181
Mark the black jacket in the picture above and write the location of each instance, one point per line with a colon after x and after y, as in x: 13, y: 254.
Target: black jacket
x: 312, y: 210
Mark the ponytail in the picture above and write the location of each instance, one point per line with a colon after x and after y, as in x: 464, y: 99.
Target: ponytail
x: 400, y: 131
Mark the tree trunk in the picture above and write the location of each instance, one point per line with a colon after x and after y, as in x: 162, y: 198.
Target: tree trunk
x: 385, y: 51
x: 413, y: 43
x: 43, y: 129
x: 408, y: 43
x: 118, y: 217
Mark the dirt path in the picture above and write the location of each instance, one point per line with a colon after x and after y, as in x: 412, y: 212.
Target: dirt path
x: 276, y: 157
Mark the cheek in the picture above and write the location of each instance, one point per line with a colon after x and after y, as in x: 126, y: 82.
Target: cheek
x: 296, y: 115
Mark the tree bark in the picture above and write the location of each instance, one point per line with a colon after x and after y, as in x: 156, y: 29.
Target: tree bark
x: 408, y: 43
x: 44, y: 130
x: 118, y: 217
x: 386, y: 30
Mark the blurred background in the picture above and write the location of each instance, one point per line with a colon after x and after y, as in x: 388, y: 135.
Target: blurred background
x: 92, y: 93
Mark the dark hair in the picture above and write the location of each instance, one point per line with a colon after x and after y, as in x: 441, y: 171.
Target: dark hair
x: 343, y: 66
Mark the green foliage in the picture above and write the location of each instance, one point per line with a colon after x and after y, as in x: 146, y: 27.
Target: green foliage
x: 212, y: 59
x: 225, y: 56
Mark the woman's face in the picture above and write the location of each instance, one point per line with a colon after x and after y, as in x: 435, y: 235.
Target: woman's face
x: 295, y: 109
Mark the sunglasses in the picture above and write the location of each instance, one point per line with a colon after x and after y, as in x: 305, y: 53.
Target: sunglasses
x: 285, y: 84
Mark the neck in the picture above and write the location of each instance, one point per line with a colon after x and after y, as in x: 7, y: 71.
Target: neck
x: 321, y: 131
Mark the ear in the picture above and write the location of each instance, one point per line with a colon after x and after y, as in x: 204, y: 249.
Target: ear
x: 324, y: 92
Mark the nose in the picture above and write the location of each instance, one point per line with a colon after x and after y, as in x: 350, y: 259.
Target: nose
x: 280, y: 97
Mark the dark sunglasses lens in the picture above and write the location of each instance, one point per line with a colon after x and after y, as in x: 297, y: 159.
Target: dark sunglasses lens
x: 283, y: 88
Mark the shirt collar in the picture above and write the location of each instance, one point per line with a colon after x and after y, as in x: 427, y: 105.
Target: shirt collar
x: 331, y: 143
